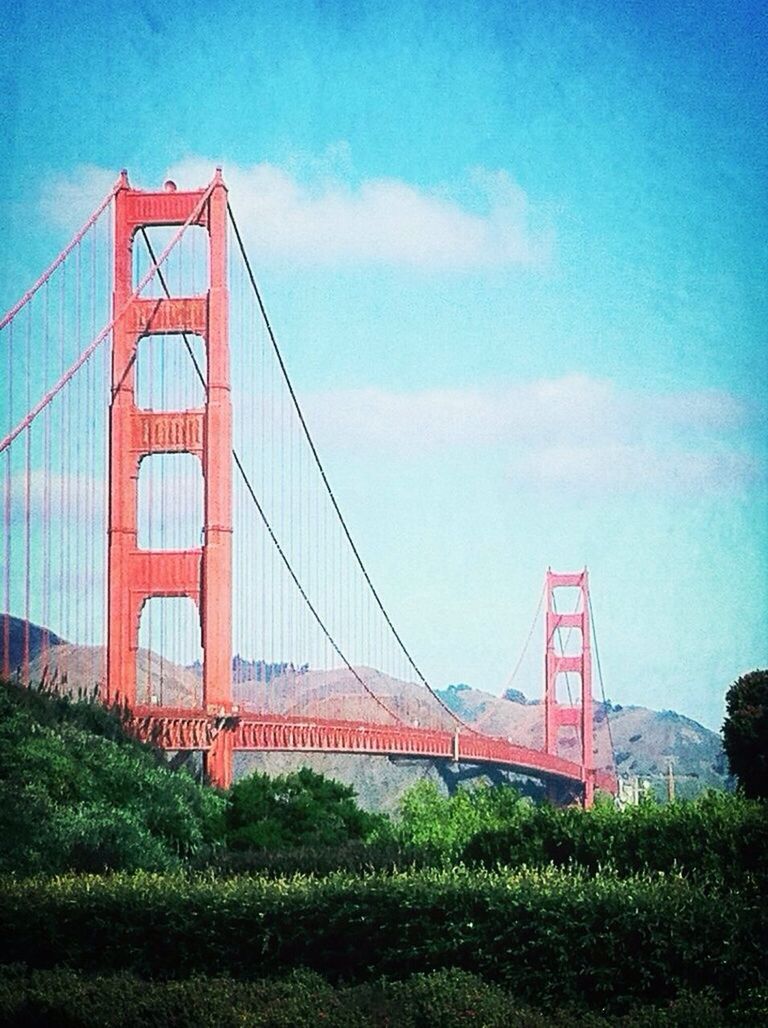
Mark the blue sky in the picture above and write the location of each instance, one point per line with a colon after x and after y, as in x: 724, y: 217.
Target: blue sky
x: 515, y: 251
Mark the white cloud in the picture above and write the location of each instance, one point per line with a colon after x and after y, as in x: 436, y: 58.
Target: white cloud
x: 69, y: 200
x: 74, y: 497
x: 628, y: 467
x: 572, y: 431
x: 576, y: 407
x: 308, y: 213
x: 380, y: 221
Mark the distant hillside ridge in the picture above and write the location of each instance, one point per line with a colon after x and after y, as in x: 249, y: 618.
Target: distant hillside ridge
x: 644, y: 742
x: 39, y: 638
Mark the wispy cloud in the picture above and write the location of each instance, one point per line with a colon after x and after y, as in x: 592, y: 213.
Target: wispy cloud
x: 321, y: 219
x: 308, y: 212
x: 57, y: 497
x: 68, y: 200
x: 571, y: 431
x: 630, y: 467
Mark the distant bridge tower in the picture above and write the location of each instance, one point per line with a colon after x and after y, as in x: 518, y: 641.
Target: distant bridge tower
x: 558, y: 715
x: 204, y: 574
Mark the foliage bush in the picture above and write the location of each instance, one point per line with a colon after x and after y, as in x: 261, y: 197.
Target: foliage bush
x: 718, y: 835
x: 303, y: 999
x: 355, y: 857
x: 548, y: 936
x: 77, y: 794
x: 441, y: 824
x: 50, y: 708
x: 299, y: 809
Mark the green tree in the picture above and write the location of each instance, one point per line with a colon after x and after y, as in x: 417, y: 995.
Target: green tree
x: 447, y: 823
x: 745, y: 732
x: 299, y: 809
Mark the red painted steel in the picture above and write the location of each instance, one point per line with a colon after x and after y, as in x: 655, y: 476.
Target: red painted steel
x: 557, y: 715
x: 204, y: 575
x: 181, y: 730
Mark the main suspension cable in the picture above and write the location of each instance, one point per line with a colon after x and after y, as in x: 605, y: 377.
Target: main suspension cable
x: 105, y: 332
x: 78, y: 238
x: 265, y: 520
x: 527, y: 643
x: 602, y: 686
x: 324, y: 477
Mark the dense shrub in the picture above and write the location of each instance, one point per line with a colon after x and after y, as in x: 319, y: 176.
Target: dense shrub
x: 356, y: 857
x: 547, y: 936
x: 444, y: 824
x: 303, y: 999
x: 64, y: 998
x: 76, y: 793
x: 299, y: 809
x: 719, y: 836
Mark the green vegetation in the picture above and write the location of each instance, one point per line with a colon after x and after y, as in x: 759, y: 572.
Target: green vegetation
x: 299, y: 809
x: 303, y: 999
x: 745, y: 732
x: 77, y: 793
x: 548, y: 936
x: 283, y: 903
x: 445, y: 824
x: 717, y: 836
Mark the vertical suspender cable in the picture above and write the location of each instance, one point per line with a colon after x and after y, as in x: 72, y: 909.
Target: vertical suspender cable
x: 280, y: 551
x: 27, y: 502
x: 8, y: 483
x: 76, y: 591
x: 602, y: 685
x: 46, y: 486
x: 454, y: 717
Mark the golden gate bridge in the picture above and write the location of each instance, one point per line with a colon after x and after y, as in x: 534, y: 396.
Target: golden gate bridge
x: 165, y: 508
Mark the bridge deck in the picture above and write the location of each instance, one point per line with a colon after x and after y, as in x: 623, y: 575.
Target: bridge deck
x: 184, y: 729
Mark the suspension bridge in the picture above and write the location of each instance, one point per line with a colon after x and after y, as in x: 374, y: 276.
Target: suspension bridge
x: 169, y: 523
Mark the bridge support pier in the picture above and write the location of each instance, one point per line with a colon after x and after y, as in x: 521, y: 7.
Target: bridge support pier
x: 589, y: 788
x: 218, y: 759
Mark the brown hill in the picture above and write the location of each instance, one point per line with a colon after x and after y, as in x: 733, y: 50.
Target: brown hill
x: 645, y: 742
x: 82, y: 668
x: 337, y: 693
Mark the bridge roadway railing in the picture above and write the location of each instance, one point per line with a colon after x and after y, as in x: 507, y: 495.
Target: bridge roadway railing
x: 187, y: 729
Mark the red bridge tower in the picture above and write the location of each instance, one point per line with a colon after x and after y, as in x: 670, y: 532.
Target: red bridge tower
x: 558, y: 715
x: 203, y: 574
